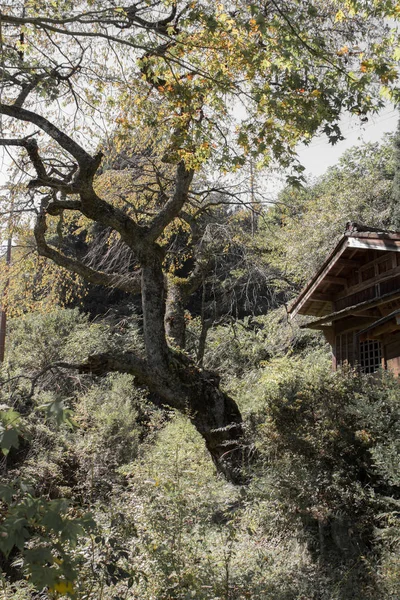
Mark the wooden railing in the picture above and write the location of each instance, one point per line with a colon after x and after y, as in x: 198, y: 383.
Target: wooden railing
x: 369, y: 293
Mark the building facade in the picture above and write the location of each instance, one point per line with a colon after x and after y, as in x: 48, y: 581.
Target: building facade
x: 355, y: 299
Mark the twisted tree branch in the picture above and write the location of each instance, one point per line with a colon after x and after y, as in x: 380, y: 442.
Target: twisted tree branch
x: 126, y: 283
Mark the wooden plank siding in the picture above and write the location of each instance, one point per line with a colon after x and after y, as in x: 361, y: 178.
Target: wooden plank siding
x: 355, y: 296
x: 358, y: 261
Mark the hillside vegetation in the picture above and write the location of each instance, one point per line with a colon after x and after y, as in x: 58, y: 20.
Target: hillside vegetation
x: 109, y: 494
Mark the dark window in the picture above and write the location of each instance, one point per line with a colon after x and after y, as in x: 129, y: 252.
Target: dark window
x: 370, y: 356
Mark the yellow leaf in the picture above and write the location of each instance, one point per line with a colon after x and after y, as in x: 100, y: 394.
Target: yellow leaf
x: 343, y: 50
x: 63, y: 587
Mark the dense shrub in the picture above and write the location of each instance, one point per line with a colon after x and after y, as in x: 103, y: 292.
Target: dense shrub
x: 238, y: 347
x: 318, y: 521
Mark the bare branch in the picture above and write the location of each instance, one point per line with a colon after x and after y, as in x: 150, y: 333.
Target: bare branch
x: 56, y: 207
x: 127, y: 362
x: 127, y: 283
x: 66, y: 142
x: 45, y: 24
x: 43, y: 179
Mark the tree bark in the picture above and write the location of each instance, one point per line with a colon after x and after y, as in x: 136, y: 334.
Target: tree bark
x: 153, y: 305
x: 175, y: 325
x: 205, y: 327
x: 217, y: 418
x: 173, y: 377
x: 193, y: 392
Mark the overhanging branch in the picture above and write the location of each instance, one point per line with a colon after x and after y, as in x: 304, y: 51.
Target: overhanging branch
x: 66, y: 142
x: 125, y: 283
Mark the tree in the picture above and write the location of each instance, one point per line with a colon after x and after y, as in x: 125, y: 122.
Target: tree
x: 74, y: 74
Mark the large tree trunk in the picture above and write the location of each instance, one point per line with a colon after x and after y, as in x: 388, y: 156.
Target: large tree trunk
x: 153, y: 303
x: 193, y: 392
x: 173, y: 377
x: 168, y: 373
x: 216, y: 417
x: 175, y: 325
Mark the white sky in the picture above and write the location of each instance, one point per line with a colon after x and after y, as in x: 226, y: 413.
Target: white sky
x: 320, y: 155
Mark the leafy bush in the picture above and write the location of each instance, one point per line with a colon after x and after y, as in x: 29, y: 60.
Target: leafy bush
x: 318, y: 520
x: 64, y: 437
x: 327, y: 443
x: 236, y: 348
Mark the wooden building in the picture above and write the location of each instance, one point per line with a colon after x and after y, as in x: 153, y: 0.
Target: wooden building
x: 355, y: 299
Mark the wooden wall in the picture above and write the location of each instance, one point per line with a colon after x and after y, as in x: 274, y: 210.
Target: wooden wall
x: 392, y: 353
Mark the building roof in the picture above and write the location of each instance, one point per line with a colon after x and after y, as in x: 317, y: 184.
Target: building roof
x: 352, y: 310
x: 349, y: 254
x: 388, y: 324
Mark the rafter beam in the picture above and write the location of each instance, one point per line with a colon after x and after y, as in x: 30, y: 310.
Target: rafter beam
x: 321, y: 297
x: 335, y: 280
x: 347, y: 262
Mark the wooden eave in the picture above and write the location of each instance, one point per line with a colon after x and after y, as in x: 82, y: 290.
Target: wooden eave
x: 356, y: 309
x: 330, y: 280
x: 382, y: 327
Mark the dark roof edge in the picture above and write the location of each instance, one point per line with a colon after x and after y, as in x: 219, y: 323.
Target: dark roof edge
x: 365, y: 233
x: 344, y: 312
x: 311, y: 281
x: 380, y: 321
x: 353, y: 228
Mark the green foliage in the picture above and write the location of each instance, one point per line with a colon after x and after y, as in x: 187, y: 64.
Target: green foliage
x: 148, y: 517
x: 114, y: 419
x: 19, y: 590
x: 10, y: 429
x: 173, y: 532
x: 305, y: 224
x: 196, y: 536
x: 320, y: 514
x: 395, y: 212
x: 318, y: 518
x: 327, y: 444
x: 243, y: 345
x: 49, y: 452
x: 55, y: 409
x: 44, y: 532
x: 37, y: 340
